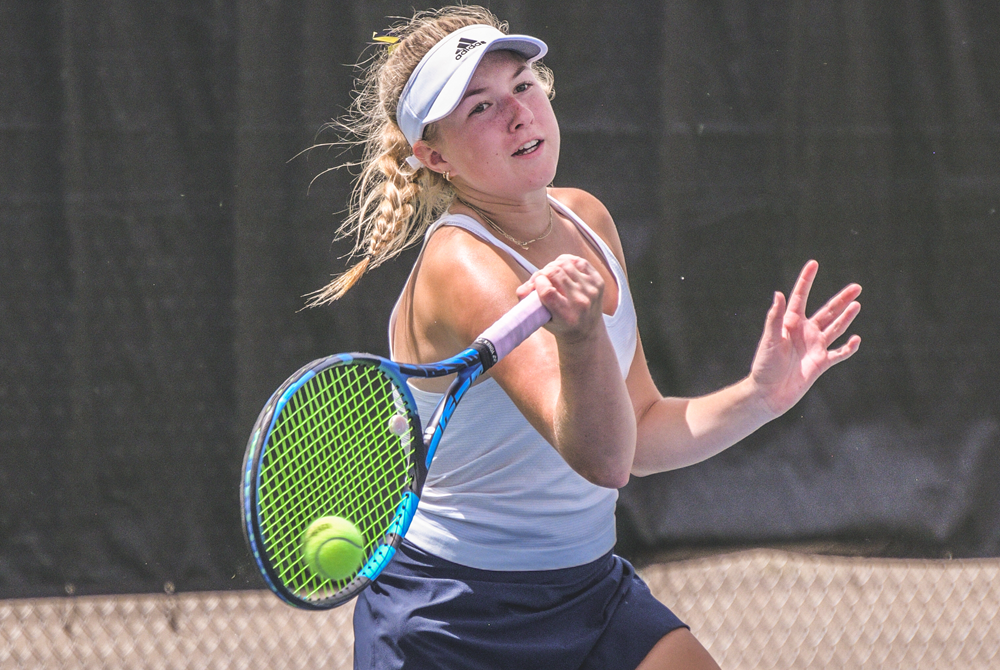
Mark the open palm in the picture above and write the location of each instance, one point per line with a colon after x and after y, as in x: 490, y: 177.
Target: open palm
x: 795, y: 349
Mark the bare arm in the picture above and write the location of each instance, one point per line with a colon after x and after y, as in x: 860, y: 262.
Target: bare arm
x: 592, y: 420
x: 793, y: 352
x: 464, y: 285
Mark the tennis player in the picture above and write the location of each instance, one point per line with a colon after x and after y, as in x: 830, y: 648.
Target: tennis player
x: 509, y: 561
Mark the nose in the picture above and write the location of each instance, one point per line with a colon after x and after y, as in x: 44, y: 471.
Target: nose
x: 519, y: 114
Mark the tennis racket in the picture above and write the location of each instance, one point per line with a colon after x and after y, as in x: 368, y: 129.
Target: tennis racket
x: 342, y: 437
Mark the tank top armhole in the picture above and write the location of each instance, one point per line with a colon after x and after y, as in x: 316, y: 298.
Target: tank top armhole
x: 605, y: 249
x: 471, y: 226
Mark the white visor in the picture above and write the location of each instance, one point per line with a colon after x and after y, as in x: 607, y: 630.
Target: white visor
x: 439, y: 81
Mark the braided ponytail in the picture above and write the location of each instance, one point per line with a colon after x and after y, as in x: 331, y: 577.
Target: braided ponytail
x: 392, y: 204
x: 381, y: 213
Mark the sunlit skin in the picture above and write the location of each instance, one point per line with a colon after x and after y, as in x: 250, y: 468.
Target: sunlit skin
x: 565, y: 379
x: 504, y: 108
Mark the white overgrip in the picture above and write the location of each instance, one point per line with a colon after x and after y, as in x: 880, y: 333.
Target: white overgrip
x: 516, y: 325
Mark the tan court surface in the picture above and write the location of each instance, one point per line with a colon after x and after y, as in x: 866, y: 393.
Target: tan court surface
x: 753, y: 609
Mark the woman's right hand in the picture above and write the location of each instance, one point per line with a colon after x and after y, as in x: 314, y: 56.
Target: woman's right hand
x: 573, y: 291
x: 579, y: 393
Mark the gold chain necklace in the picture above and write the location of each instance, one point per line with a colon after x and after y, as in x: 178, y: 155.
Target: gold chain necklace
x: 520, y: 243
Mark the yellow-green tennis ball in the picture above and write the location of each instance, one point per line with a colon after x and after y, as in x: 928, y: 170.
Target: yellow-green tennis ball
x: 333, y: 548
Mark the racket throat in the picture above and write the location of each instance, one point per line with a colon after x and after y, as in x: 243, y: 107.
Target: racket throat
x: 488, y: 356
x: 446, y: 408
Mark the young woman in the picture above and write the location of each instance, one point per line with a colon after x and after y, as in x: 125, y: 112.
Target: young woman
x: 509, y: 563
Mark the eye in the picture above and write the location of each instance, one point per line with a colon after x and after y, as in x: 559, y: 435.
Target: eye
x: 522, y: 87
x: 479, y: 109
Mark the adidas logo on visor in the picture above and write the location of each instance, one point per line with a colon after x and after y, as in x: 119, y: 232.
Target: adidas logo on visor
x: 465, y: 45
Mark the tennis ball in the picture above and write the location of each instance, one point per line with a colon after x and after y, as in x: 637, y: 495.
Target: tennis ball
x: 333, y: 548
x: 398, y: 425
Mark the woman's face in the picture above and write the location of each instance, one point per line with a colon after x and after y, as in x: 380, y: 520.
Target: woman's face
x: 503, y: 138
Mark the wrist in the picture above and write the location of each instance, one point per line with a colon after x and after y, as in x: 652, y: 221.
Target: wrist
x: 757, y: 400
x: 582, y: 341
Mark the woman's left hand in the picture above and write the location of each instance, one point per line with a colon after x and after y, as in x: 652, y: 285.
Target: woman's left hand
x: 794, y: 349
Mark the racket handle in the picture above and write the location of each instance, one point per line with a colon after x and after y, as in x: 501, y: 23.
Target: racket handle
x: 514, y: 327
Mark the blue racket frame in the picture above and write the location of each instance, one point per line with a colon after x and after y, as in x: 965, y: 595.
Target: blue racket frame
x: 467, y: 366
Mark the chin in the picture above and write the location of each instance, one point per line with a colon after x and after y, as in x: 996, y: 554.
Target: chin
x: 545, y: 175
x: 536, y: 182
x: 552, y: 168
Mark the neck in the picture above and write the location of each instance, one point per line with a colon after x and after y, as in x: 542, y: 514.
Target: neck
x: 525, y: 218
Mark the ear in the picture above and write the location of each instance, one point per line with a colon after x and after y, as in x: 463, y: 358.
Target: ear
x: 431, y: 158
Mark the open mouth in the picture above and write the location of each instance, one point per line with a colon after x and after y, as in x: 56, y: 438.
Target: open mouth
x: 528, y: 147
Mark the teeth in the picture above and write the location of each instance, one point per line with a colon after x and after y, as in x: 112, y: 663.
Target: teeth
x: 528, y: 146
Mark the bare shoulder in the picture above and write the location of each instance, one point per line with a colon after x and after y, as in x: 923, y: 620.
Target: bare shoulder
x: 594, y: 213
x: 585, y: 204
x: 454, y: 256
x: 463, y: 284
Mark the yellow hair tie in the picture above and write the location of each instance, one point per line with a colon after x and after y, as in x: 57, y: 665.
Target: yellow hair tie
x: 391, y: 41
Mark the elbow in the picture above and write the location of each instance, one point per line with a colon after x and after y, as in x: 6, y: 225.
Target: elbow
x: 640, y: 471
x: 607, y: 466
x: 616, y: 482
x: 609, y: 476
x: 611, y: 469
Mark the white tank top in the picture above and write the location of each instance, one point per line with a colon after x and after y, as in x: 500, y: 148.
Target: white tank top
x: 498, y: 496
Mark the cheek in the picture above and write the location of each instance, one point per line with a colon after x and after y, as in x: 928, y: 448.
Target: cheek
x: 554, y: 132
x: 484, y: 145
x: 548, y: 116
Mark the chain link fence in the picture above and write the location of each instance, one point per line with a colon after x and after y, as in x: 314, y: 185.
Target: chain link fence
x: 755, y: 609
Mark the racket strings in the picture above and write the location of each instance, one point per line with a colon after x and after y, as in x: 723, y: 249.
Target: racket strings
x: 309, y: 470
x: 341, y: 479
x: 309, y: 473
x: 303, y: 429
x: 332, y: 452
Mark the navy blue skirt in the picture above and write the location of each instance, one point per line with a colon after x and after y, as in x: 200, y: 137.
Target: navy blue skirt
x: 425, y: 612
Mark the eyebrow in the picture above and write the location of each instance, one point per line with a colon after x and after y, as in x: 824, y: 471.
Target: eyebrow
x: 476, y: 91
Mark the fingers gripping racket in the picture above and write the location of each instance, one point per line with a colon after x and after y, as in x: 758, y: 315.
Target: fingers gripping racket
x: 342, y: 437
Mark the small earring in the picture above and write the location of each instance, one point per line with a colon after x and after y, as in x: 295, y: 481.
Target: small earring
x: 447, y: 176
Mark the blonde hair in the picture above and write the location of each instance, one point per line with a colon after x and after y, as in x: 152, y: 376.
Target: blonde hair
x: 391, y: 204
